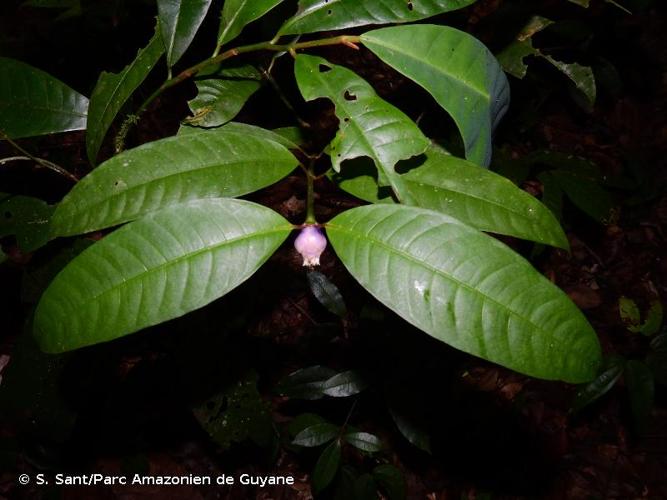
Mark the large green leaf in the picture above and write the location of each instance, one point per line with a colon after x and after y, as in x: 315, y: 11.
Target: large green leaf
x: 277, y: 135
x: 457, y: 70
x: 179, y: 22
x: 209, y: 164
x: 222, y: 95
x: 466, y: 289
x: 475, y: 196
x: 114, y: 89
x: 157, y: 268
x: 369, y: 126
x: 322, y: 15
x: 32, y: 102
x: 236, y: 14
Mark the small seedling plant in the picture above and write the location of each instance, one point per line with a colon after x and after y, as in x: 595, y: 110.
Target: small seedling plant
x: 186, y: 238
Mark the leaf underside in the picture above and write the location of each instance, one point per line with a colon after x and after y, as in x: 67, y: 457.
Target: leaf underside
x: 225, y: 162
x: 33, y: 102
x: 457, y: 70
x: 466, y: 289
x: 155, y: 269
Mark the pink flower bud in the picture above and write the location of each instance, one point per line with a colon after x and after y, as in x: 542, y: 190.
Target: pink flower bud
x: 310, y: 244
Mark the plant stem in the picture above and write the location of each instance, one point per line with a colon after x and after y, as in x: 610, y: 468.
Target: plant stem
x: 40, y: 161
x: 310, y: 194
x: 217, y: 59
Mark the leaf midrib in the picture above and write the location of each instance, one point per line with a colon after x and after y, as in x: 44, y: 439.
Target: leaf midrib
x: 192, y: 255
x: 411, y: 258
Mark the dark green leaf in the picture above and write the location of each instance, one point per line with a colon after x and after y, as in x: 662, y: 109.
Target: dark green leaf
x: 303, y: 421
x: 581, y: 76
x: 411, y: 431
x: 364, y: 441
x: 26, y: 218
x: 306, y: 383
x: 600, y: 386
x: 326, y: 467
x: 653, y: 320
x: 224, y: 162
x: 391, y: 481
x: 512, y: 57
x: 316, y: 435
x: 32, y: 102
x: 641, y: 388
x: 221, y: 96
x: 344, y: 384
x: 157, y: 268
x: 179, y: 22
x: 114, y: 89
x: 365, y: 488
x: 457, y: 70
x: 236, y: 14
x: 327, y: 293
x: 466, y: 289
x: 324, y: 15
x: 585, y: 193
x: 236, y: 414
x: 657, y: 358
x: 369, y: 126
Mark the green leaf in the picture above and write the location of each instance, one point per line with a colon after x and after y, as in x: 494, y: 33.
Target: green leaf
x: 585, y: 192
x: 316, y: 435
x: 223, y: 162
x: 327, y: 293
x: 221, y: 96
x: 369, y: 126
x: 653, y: 319
x: 179, y: 22
x: 466, y: 289
x: 33, y: 102
x: 629, y: 312
x: 482, y: 199
x: 26, y: 218
x: 597, y: 388
x: 512, y: 57
x: 364, y: 441
x: 306, y: 383
x: 582, y: 77
x: 391, y: 481
x: 155, y: 269
x: 457, y: 70
x: 326, y: 466
x: 324, y: 15
x: 236, y: 14
x: 641, y: 388
x: 303, y: 421
x: 344, y: 384
x: 114, y: 89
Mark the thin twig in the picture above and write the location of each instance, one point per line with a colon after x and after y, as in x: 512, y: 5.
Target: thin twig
x: 40, y: 161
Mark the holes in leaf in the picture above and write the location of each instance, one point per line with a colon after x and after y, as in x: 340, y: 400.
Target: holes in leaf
x: 410, y: 6
x: 8, y: 215
x: 329, y: 12
x: 346, y: 119
x: 349, y: 97
x: 324, y: 68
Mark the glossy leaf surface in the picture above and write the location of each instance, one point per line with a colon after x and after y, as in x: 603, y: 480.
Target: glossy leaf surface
x: 179, y: 22
x: 236, y: 14
x: 316, y: 435
x: 155, y: 269
x: 327, y: 293
x: 475, y: 196
x: 369, y: 126
x: 33, y: 102
x: 457, y: 70
x: 114, y: 89
x: 344, y: 384
x: 222, y: 95
x: 321, y: 15
x: 466, y: 289
x: 326, y: 467
x: 364, y: 441
x: 207, y: 164
x: 601, y: 385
